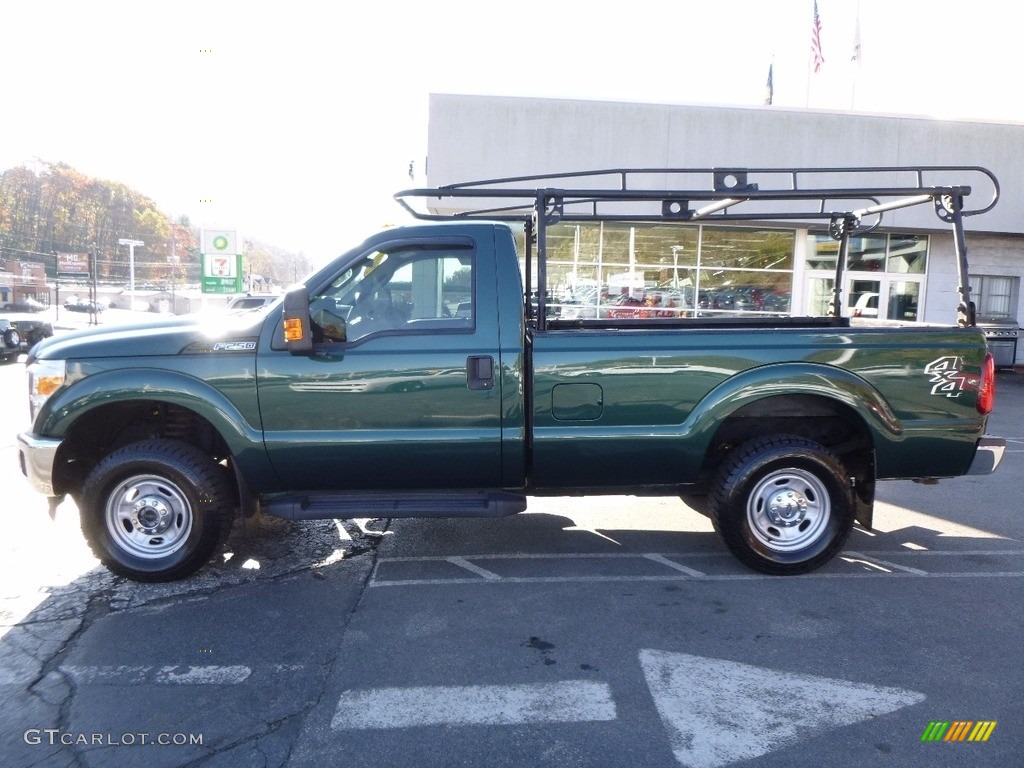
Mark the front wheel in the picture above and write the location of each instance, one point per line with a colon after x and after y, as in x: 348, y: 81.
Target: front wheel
x: 156, y: 510
x: 784, y: 505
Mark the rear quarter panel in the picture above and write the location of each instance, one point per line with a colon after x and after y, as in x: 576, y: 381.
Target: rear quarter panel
x: 655, y: 397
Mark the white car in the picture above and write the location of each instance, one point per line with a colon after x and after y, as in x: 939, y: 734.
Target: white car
x: 240, y: 303
x: 866, y: 306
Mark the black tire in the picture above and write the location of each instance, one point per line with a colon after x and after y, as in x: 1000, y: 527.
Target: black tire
x: 784, y: 505
x: 180, y: 493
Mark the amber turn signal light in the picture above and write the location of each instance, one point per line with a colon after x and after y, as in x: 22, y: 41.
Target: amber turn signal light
x: 293, y: 329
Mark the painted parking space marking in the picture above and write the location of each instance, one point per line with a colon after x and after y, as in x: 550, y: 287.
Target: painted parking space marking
x: 675, y: 566
x: 464, y: 563
x: 386, y: 708
x: 118, y: 675
x: 715, y: 712
x: 1017, y: 441
x: 884, y: 563
x: 718, y: 712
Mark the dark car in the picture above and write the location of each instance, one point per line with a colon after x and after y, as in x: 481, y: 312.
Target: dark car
x: 31, y: 329
x: 28, y: 304
x: 10, y: 342
x: 83, y: 305
x: 251, y: 302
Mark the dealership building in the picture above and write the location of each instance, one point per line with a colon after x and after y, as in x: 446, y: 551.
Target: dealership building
x: 904, y: 270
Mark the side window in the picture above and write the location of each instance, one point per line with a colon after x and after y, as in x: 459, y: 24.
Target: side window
x: 410, y: 290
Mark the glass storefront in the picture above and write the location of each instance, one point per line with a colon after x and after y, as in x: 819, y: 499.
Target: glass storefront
x: 884, y: 276
x: 622, y: 270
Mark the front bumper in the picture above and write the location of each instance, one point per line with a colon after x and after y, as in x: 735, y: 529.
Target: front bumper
x: 989, y: 454
x: 37, y: 455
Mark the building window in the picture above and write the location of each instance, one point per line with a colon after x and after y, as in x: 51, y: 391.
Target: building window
x: 884, y: 276
x: 994, y: 297
x: 623, y: 270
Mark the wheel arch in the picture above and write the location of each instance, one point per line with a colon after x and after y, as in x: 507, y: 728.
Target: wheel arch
x: 828, y: 405
x: 102, y: 412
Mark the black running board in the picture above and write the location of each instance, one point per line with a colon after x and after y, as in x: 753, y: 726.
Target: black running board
x: 323, y: 506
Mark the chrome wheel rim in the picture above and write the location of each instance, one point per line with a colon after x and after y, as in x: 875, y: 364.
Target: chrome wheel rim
x: 148, y: 516
x: 788, y: 510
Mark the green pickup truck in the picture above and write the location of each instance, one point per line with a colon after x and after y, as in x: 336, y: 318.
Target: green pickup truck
x: 454, y: 368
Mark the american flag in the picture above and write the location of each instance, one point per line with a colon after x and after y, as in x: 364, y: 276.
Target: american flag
x: 816, y: 40
x: 769, y: 87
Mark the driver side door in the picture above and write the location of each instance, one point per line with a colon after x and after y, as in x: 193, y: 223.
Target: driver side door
x: 390, y: 396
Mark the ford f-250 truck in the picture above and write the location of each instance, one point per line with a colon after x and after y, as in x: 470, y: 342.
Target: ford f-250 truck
x: 417, y: 375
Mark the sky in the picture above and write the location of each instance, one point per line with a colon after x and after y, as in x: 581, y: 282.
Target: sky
x: 295, y: 122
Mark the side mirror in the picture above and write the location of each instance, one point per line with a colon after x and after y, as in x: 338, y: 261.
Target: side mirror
x: 298, y: 336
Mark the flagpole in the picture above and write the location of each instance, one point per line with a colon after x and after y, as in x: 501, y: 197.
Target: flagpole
x: 856, y: 59
x: 816, y: 58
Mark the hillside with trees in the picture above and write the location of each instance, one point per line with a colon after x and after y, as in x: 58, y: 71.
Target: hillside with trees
x: 51, y: 208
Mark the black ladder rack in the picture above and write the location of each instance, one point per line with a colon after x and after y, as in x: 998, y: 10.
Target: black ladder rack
x: 852, y: 200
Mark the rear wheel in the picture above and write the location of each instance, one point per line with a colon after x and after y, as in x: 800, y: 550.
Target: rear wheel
x: 784, y: 505
x: 156, y: 510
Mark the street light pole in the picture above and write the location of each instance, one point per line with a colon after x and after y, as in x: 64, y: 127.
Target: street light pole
x: 132, y: 244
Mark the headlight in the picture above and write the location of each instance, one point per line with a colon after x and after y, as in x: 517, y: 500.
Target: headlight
x: 44, y: 378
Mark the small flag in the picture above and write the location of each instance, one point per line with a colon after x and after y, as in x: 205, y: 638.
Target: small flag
x: 769, y: 88
x: 816, y: 40
x: 855, y: 57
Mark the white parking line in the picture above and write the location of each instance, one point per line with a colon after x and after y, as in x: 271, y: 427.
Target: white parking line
x: 152, y: 675
x: 952, y: 552
x: 565, y: 702
x: 464, y: 563
x: 202, y: 675
x: 674, y: 565
x: 881, y: 567
x: 878, y: 561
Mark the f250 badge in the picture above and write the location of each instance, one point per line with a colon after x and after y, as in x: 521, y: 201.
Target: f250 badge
x: 206, y: 347
x: 947, y: 374
x: 234, y: 346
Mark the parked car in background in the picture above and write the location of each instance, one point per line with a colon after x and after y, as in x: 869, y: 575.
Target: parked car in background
x: 10, y: 342
x: 28, y: 304
x: 251, y: 302
x: 83, y: 305
x: 866, y: 306
x: 32, y: 330
x: 25, y: 318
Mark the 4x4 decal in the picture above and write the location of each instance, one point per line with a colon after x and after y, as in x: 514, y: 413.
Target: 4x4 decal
x: 948, y: 376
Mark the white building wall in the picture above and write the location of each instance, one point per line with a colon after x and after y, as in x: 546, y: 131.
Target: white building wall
x: 473, y: 137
